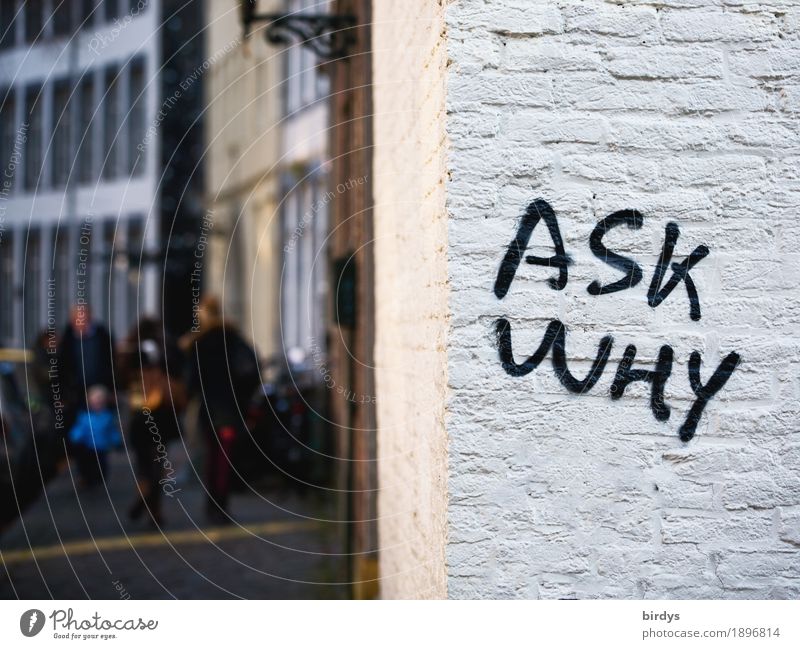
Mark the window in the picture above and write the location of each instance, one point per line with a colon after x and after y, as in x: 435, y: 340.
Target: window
x: 83, y: 261
x: 290, y: 289
x: 110, y: 122
x: 305, y: 261
x: 106, y: 276
x: 33, y: 147
x: 86, y: 129
x: 7, y: 23
x: 323, y: 85
x: 135, y: 234
x: 112, y: 10
x: 293, y: 74
x: 62, y: 18
x: 115, y: 266
x: 304, y: 83
x: 318, y: 232
x: 8, y: 137
x: 32, y: 284
x: 308, y: 74
x: 34, y: 20
x: 136, y: 116
x: 87, y: 13
x: 63, y: 288
x: 60, y: 152
x: 7, y: 277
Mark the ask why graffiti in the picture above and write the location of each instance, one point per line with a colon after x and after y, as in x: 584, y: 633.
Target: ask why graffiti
x: 660, y: 288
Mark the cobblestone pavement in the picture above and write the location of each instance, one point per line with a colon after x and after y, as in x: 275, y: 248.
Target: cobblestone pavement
x: 280, y: 546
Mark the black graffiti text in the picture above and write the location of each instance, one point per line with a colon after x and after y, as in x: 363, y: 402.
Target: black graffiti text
x: 555, y: 335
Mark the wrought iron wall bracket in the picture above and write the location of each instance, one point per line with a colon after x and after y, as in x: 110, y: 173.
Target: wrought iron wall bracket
x: 329, y: 36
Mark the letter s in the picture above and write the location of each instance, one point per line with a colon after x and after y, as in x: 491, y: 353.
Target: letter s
x: 632, y: 270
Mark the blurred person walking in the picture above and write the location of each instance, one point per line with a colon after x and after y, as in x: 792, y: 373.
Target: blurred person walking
x: 95, y: 433
x: 154, y: 365
x: 86, y: 357
x: 223, y: 372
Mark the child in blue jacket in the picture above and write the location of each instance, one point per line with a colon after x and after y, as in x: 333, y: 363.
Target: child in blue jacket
x: 93, y: 435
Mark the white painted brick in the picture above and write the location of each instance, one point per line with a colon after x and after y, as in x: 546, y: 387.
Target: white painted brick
x: 609, y: 20
x: 665, y: 62
x: 473, y: 92
x: 687, y: 134
x: 712, y: 96
x: 790, y: 527
x: 716, y: 170
x: 763, y: 490
x: 718, y: 26
x: 514, y: 17
x: 672, y: 97
x: 684, y: 110
x: 612, y: 168
x: 533, y: 126
x: 480, y: 52
x: 768, y: 63
x: 736, y: 568
x: 549, y: 56
x: 739, y: 527
x: 762, y: 131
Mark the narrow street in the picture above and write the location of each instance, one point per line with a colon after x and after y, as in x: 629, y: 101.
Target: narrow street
x: 77, y: 544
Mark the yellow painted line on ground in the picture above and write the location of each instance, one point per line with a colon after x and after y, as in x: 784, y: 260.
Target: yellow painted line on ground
x: 155, y: 539
x: 16, y: 355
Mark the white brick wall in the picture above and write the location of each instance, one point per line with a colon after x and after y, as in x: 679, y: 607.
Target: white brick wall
x: 411, y: 295
x: 684, y: 110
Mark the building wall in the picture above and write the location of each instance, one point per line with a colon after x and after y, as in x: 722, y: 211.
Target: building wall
x: 243, y: 137
x: 79, y: 214
x: 411, y: 310
x: 686, y: 113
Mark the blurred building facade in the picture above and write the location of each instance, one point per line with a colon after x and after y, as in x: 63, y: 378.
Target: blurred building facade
x: 289, y: 137
x: 102, y: 166
x: 79, y: 171
x: 184, y: 225
x: 267, y: 194
x: 243, y: 134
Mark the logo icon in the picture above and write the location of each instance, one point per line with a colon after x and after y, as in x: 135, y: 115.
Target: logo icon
x: 31, y: 622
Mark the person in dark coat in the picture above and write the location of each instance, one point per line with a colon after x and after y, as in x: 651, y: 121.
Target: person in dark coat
x: 222, y: 374
x: 86, y: 357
